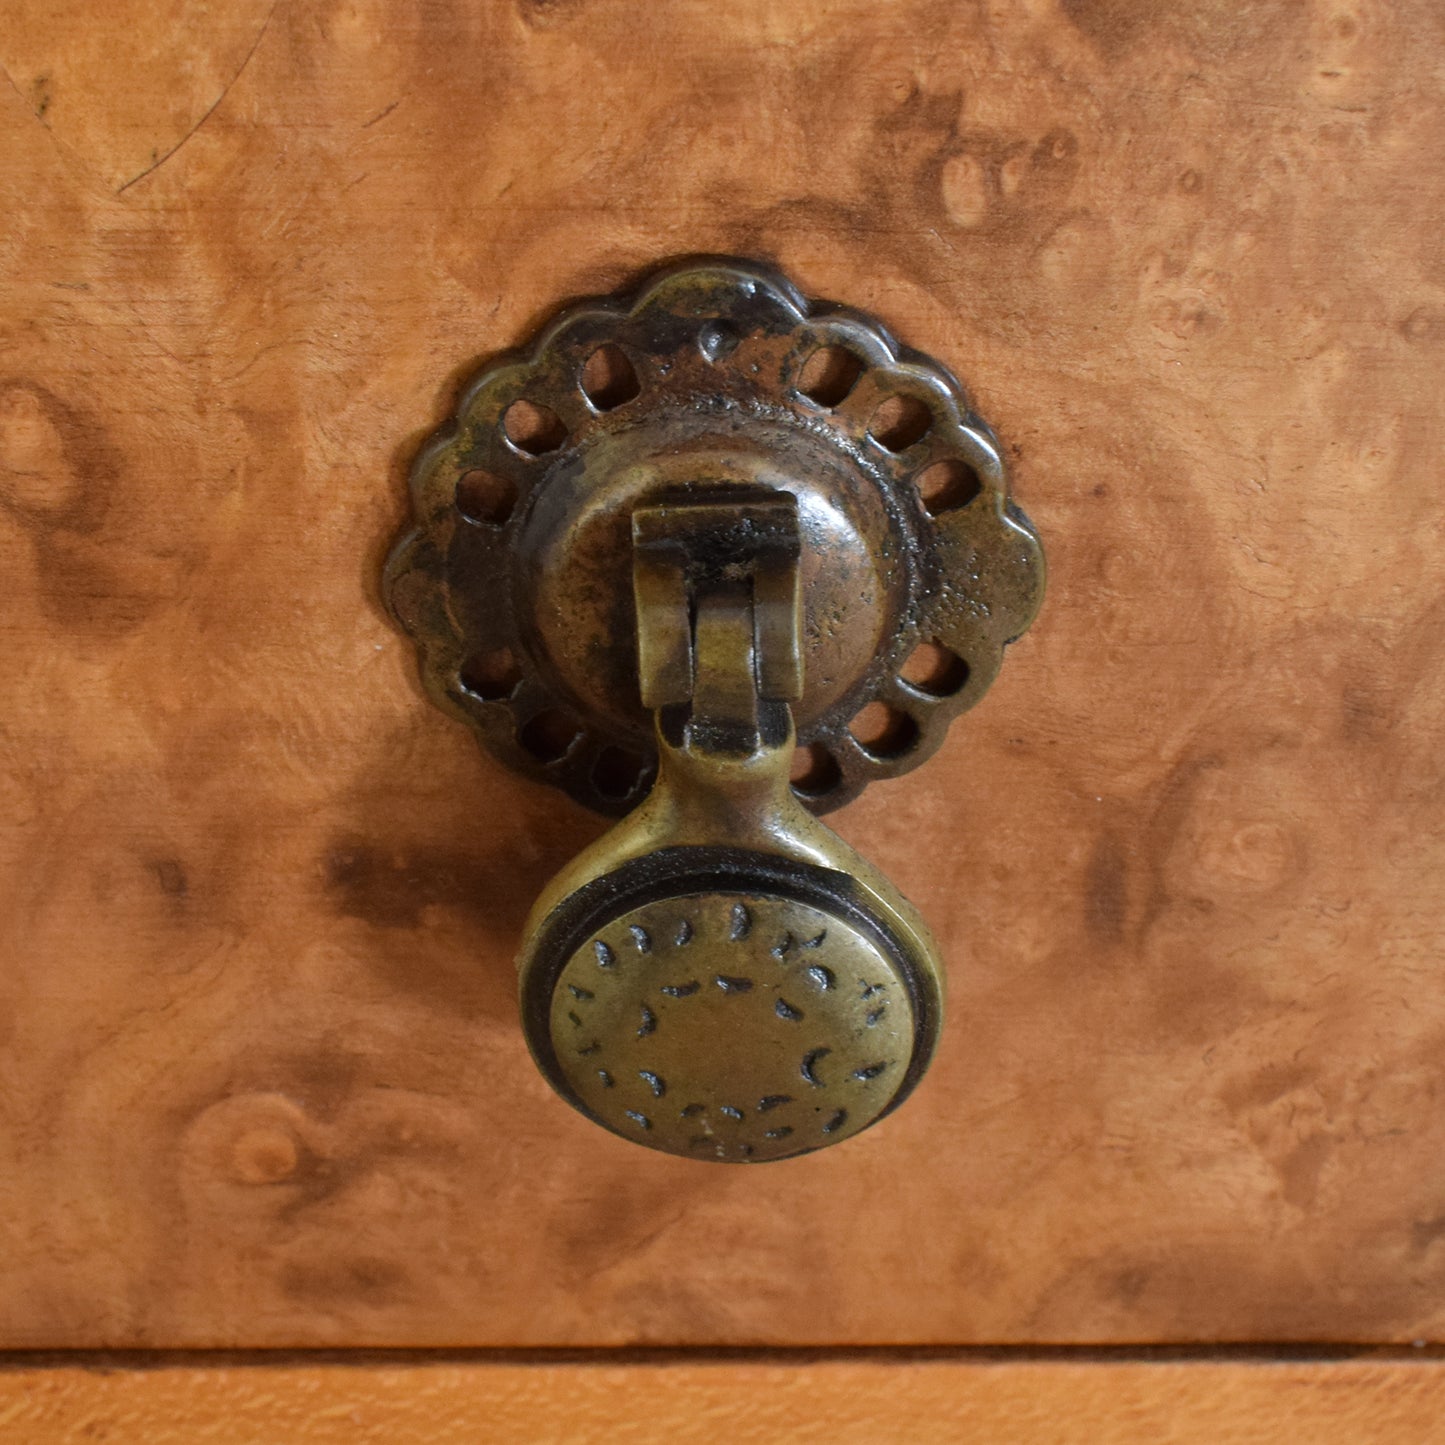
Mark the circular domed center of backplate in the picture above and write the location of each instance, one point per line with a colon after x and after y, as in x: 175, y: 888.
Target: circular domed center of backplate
x: 573, y: 561
x: 732, y: 1027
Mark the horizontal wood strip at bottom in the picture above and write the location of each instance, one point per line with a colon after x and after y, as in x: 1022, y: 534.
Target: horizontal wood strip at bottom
x: 832, y: 1401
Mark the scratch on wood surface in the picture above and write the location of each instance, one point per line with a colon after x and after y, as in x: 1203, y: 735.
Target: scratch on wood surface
x: 381, y: 114
x: 37, y: 112
x: 160, y: 160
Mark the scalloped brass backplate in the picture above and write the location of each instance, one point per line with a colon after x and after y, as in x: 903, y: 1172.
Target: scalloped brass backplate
x: 715, y: 558
x: 516, y: 578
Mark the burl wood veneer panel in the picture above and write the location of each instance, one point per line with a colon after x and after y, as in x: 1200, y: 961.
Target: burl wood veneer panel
x: 261, y: 1080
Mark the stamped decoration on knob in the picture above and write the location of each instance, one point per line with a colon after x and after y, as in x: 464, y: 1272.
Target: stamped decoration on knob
x: 735, y: 1028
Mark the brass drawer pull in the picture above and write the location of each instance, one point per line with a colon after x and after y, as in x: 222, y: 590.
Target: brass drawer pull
x: 715, y: 559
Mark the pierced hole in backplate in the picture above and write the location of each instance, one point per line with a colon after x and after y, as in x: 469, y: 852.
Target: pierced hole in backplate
x: 609, y: 378
x: 829, y: 374
x: 946, y: 486
x: 492, y: 675
x: 485, y: 497
x: 533, y: 428
x: 899, y: 422
x: 617, y: 772
x: 935, y: 669
x: 883, y: 731
x: 549, y: 735
x: 815, y: 771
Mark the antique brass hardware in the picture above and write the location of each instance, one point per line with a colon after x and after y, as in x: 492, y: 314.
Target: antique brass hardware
x: 716, y: 559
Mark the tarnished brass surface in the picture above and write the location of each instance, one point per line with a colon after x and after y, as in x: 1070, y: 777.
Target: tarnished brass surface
x: 515, y: 579
x: 648, y: 577
x: 732, y: 1026
x: 740, y: 549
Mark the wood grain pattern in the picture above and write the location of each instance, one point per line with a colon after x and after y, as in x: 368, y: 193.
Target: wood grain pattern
x: 261, y: 1077
x: 847, y: 1401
